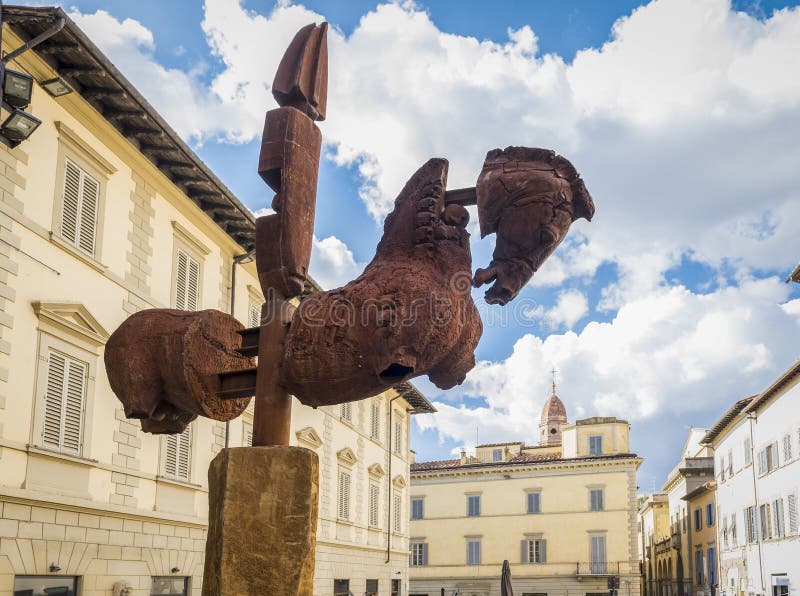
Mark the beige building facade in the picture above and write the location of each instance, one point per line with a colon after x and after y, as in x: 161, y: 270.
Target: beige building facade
x: 654, y: 528
x: 105, y: 212
x: 563, y: 514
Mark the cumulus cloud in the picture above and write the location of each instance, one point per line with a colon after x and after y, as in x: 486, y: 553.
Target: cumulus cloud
x: 672, y: 352
x: 332, y: 263
x: 570, y: 307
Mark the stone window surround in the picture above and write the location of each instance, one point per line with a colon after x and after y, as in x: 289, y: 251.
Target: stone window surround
x: 71, y: 146
x: 184, y: 241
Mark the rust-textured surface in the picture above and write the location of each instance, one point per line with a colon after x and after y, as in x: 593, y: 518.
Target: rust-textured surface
x: 302, y: 77
x: 409, y: 313
x: 289, y: 163
x: 164, y: 367
x: 262, y: 522
x: 529, y: 197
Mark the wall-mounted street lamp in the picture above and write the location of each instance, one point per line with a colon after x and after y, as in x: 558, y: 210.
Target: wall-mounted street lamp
x: 56, y: 87
x: 19, y: 126
x: 17, y: 87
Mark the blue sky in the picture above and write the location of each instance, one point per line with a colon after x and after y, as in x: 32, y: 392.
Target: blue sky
x: 665, y: 309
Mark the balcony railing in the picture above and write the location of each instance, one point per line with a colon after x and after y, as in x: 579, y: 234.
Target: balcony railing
x: 597, y: 568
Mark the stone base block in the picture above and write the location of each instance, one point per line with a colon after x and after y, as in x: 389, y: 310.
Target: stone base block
x: 262, y: 522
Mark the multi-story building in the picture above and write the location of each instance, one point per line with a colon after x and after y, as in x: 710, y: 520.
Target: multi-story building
x: 654, y: 529
x: 105, y: 211
x: 563, y: 513
x: 701, y: 506
x: 668, y: 566
x: 758, y: 475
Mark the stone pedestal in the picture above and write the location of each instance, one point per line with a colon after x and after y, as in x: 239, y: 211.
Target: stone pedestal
x: 262, y: 522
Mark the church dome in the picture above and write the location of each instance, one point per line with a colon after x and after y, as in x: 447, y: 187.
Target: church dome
x: 553, y: 408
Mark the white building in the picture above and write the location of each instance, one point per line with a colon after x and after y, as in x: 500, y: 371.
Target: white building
x: 757, y: 446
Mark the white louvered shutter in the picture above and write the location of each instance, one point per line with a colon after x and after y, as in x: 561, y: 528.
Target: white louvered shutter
x: 187, y: 282
x: 398, y: 514
x: 248, y: 435
x: 254, y: 314
x: 375, y: 421
x: 793, y: 525
x: 64, y: 398
x: 177, y: 456
x: 79, y: 210
x: 344, y: 495
x: 373, y: 505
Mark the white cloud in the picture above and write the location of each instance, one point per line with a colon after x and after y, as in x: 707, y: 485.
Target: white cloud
x: 332, y: 263
x: 671, y: 352
x: 570, y: 307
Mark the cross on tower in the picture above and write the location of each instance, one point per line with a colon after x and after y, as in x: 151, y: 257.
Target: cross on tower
x: 554, y: 371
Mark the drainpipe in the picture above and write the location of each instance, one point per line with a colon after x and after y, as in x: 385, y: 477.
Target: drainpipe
x: 237, y: 260
x: 389, y: 490
x: 750, y: 418
x: 44, y: 36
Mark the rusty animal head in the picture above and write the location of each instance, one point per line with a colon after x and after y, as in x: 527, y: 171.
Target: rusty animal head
x: 529, y: 197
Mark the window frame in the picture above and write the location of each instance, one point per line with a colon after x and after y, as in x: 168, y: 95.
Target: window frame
x: 595, y: 440
x: 165, y: 439
x: 471, y: 561
x: 414, y: 502
x: 343, y: 501
x: 602, y: 499
x: 420, y: 557
x: 473, y: 511
x: 528, y: 502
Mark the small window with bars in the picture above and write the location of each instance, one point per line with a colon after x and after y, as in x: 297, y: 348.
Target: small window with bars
x: 64, y: 399
x: 187, y: 281
x: 177, y: 455
x: 80, y: 204
x: 375, y: 421
x: 374, y: 500
x: 344, y: 495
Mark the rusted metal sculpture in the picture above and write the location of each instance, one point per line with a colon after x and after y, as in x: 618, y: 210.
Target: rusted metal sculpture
x: 410, y: 313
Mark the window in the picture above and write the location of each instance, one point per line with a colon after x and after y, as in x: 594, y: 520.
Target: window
x: 375, y: 421
x: 395, y: 587
x: 419, y: 554
x: 787, y: 448
x: 596, y: 500
x: 497, y: 455
x: 177, y: 449
x: 187, y: 281
x: 732, y: 531
x: 698, y: 567
x: 748, y: 455
x: 730, y: 462
x: 534, y: 550
x: 80, y: 204
x: 398, y: 436
x: 598, y: 552
x: 371, y: 587
x: 42, y: 585
x: 169, y: 586
x: 765, y: 518
x: 792, y: 506
x: 725, y: 541
x: 247, y: 431
x: 341, y: 587
x: 346, y: 412
x: 374, y: 496
x: 64, y: 402
x: 398, y: 511
x: 721, y: 468
x: 711, y: 565
x: 534, y: 502
x: 596, y: 445
x: 417, y: 508
x: 253, y: 313
x: 473, y: 505
x: 710, y: 514
x: 751, y: 525
x: 698, y: 520
x: 344, y: 495
x: 768, y: 459
x: 778, y: 523
x: 473, y: 551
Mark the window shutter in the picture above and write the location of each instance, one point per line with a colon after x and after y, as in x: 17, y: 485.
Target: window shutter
x: 787, y: 448
x: 762, y: 462
x: 344, y: 495
x: 193, y: 285
x: 184, y: 447
x: 373, y: 505
x: 747, y: 528
x: 248, y: 436
x: 180, y: 280
x: 254, y: 314
x: 88, y: 213
x: 775, y: 460
x: 424, y: 553
x: 187, y: 282
x: 171, y: 456
x: 375, y: 421
x: 747, y: 454
x: 793, y: 529
x: 543, y: 551
x: 523, y: 551
x: 72, y: 199
x: 63, y: 407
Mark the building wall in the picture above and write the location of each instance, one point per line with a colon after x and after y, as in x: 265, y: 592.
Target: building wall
x: 704, y: 540
x: 753, y: 566
x: 655, y: 527
x: 109, y: 512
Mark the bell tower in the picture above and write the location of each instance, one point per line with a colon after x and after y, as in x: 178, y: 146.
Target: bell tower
x: 554, y: 416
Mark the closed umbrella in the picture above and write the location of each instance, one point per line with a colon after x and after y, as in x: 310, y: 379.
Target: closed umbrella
x: 505, y: 580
